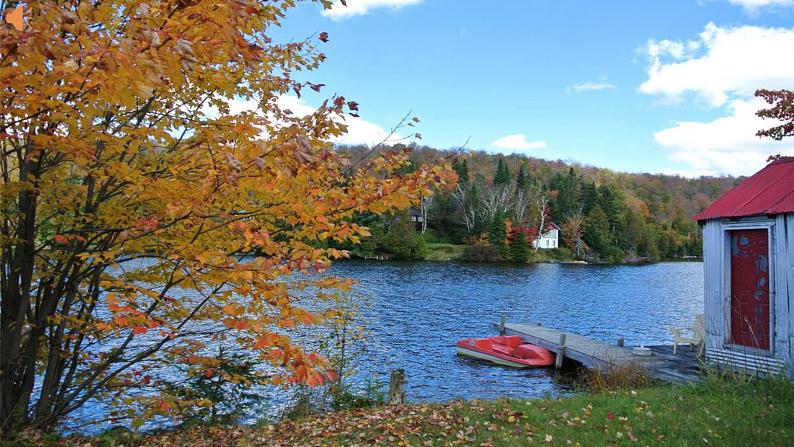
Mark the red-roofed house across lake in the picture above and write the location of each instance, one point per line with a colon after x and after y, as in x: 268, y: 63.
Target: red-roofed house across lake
x: 748, y: 253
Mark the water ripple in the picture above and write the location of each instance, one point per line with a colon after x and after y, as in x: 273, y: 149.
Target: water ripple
x: 419, y: 310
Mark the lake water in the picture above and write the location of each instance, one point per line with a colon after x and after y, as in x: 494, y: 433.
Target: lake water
x: 419, y: 310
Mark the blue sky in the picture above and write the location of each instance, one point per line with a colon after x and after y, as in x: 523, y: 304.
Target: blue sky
x: 641, y: 86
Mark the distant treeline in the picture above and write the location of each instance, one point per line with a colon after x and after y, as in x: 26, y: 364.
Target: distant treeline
x: 501, y: 202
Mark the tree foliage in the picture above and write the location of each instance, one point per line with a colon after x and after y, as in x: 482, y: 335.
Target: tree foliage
x: 596, y: 231
x: 143, y: 216
x: 647, y: 215
x: 519, y: 249
x: 403, y: 240
x: 497, y: 234
x: 462, y: 169
x: 221, y: 394
x: 522, y: 179
x: 782, y: 110
x: 503, y: 174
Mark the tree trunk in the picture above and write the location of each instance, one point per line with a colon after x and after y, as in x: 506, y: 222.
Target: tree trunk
x: 542, y: 203
x: 16, y: 381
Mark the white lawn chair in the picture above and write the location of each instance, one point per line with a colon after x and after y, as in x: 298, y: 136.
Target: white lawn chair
x: 698, y: 336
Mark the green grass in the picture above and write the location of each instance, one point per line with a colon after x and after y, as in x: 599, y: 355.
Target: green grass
x: 718, y: 412
x: 711, y: 414
x: 443, y: 252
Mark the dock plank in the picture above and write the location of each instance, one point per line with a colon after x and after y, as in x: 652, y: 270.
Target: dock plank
x: 596, y: 354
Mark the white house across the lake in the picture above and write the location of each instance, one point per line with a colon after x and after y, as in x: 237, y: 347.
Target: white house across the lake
x: 548, y: 239
x: 748, y: 255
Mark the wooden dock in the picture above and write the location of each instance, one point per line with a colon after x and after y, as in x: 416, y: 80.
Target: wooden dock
x: 662, y: 364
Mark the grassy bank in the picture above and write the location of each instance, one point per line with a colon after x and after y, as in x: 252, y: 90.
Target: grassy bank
x: 436, y: 251
x: 715, y: 413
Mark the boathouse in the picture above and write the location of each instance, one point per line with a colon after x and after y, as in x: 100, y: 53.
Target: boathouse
x: 748, y: 256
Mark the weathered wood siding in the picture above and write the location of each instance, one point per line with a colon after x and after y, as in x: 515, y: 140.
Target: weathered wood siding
x: 743, y: 360
x: 717, y: 294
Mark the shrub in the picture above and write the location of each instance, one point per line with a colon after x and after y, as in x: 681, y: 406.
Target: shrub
x: 628, y: 376
x: 306, y: 402
x: 404, y: 241
x: 562, y: 253
x: 221, y: 394
x: 344, y: 398
x: 481, y: 253
x: 313, y: 401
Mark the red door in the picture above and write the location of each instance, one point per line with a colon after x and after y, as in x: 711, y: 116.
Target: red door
x: 750, y: 288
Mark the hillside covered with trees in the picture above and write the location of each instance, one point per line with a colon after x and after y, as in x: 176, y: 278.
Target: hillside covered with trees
x: 500, y: 202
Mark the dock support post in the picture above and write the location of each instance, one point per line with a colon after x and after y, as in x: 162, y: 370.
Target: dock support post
x: 560, y: 352
x: 502, y: 320
x: 620, y: 342
x: 397, y: 387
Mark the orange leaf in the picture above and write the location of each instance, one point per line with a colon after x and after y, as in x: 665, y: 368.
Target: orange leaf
x: 314, y: 380
x: 307, y: 318
x: 332, y: 375
x: 120, y: 321
x: 261, y: 343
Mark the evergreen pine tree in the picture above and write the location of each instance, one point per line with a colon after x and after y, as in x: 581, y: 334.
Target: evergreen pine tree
x: 610, y: 200
x: 497, y: 234
x: 589, y: 196
x: 596, y: 231
x: 462, y: 169
x: 519, y: 250
x: 503, y: 175
x: 522, y: 180
x: 566, y: 203
x: 497, y: 178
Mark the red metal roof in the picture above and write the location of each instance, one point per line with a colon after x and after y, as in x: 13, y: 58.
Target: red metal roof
x: 769, y: 191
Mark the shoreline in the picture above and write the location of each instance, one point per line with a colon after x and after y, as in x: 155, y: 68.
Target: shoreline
x: 735, y: 412
x: 385, y: 258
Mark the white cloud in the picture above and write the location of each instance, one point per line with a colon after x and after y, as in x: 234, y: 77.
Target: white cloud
x: 754, y: 5
x: 724, y: 62
x: 726, y: 145
x: 359, y: 130
x: 591, y: 86
x: 360, y: 7
x: 722, y: 68
x: 517, y: 143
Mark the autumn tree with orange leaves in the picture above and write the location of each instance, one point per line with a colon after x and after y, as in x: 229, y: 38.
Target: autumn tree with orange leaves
x: 142, y: 219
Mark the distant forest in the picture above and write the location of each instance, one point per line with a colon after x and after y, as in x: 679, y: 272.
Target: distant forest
x: 501, y: 201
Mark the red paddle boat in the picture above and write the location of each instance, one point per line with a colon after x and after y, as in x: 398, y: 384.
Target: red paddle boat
x: 507, y: 350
